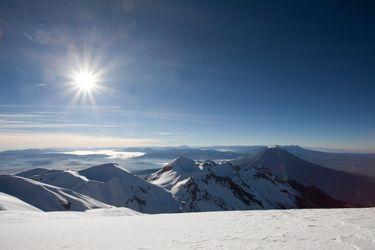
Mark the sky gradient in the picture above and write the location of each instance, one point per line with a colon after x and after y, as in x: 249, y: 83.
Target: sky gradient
x: 188, y: 73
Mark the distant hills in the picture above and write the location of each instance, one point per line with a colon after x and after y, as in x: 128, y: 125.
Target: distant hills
x: 356, y: 163
x: 194, y: 153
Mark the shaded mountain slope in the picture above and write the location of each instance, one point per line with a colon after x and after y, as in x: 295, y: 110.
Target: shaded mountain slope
x: 344, y: 186
x: 356, y: 163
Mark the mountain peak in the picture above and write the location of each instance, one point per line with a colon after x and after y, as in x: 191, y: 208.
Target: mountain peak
x: 275, y: 157
x: 183, y: 163
x: 276, y: 151
x: 108, y: 165
x: 36, y: 172
x: 103, y: 173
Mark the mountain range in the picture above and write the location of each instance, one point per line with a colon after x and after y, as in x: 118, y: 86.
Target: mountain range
x: 356, y: 163
x: 210, y: 186
x: 272, y: 179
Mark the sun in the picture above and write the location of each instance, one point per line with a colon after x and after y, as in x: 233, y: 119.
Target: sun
x: 85, y: 81
x: 86, y: 84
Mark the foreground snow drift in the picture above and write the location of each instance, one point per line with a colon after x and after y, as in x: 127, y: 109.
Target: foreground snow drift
x: 114, y: 229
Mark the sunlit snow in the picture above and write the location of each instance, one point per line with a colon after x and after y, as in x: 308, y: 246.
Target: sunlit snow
x: 115, y: 229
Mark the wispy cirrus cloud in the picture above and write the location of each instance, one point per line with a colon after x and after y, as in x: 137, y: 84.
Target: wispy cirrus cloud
x: 22, y: 140
x: 95, y: 126
x: 165, y: 133
x: 6, y: 124
x: 40, y: 121
x: 119, y: 112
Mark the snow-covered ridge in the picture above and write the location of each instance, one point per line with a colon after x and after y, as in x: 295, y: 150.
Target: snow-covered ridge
x: 47, y: 197
x: 11, y: 203
x: 112, y: 185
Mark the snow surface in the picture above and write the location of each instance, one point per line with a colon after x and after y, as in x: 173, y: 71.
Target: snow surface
x: 115, y: 229
x: 8, y: 202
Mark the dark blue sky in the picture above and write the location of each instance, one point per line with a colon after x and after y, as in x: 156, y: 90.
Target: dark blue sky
x: 190, y: 72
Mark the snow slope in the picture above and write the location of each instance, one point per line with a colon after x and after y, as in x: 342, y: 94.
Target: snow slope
x: 277, y: 229
x: 112, y: 185
x: 179, y: 169
x: 46, y: 197
x: 8, y: 202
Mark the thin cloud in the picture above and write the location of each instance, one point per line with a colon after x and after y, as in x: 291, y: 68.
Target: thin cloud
x: 121, y: 112
x: 21, y: 124
x: 28, y: 36
x: 33, y: 121
x: 11, y: 140
x: 19, y: 115
x: 169, y: 133
x: 40, y: 84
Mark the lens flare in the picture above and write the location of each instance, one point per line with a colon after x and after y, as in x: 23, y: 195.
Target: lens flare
x: 85, y: 81
x: 86, y: 84
x: 86, y: 78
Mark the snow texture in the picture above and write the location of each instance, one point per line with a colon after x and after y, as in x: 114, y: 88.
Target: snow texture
x: 115, y: 229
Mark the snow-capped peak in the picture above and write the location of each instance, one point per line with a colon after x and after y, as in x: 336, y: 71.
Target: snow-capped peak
x: 170, y: 174
x: 184, y: 164
x: 104, y: 172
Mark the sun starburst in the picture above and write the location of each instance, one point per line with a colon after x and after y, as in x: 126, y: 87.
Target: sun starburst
x: 85, y: 81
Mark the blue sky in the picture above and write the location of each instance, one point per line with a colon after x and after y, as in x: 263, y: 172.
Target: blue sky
x: 188, y: 73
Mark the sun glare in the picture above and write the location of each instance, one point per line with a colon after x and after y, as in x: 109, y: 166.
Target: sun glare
x: 86, y: 84
x: 85, y: 81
